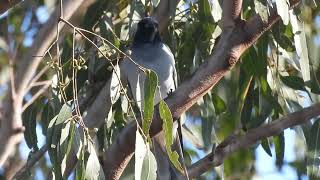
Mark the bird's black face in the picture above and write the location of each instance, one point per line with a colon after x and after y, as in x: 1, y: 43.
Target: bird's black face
x: 147, y: 31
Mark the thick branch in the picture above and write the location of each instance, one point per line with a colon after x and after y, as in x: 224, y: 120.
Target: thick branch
x: 234, y: 144
x: 233, y: 42
x: 231, y: 12
x: 165, y: 10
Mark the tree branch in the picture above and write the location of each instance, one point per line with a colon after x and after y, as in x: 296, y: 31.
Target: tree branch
x: 234, y: 41
x: 165, y: 11
x: 233, y: 144
x: 35, y: 157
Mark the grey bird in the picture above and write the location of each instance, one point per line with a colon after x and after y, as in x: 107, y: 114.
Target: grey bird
x: 150, y: 52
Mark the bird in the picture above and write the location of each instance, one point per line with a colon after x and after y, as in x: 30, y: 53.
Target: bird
x: 149, y: 51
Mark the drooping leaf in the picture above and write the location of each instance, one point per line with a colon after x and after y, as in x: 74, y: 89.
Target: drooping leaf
x: 150, y: 86
x: 283, y: 10
x: 167, y: 120
x: 139, y: 155
x: 80, y: 170
x: 300, y: 43
x: 93, y: 170
x: 218, y: 103
x: 293, y: 82
x: 29, y: 122
x: 216, y: 10
x: 279, y: 144
x: 266, y: 146
x: 56, y: 126
x: 115, y: 87
x: 313, y: 146
x: 149, y: 168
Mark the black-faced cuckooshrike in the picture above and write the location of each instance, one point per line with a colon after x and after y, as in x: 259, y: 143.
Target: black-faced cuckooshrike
x: 150, y: 52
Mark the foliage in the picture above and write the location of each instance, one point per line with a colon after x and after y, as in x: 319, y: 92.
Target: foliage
x: 276, y: 76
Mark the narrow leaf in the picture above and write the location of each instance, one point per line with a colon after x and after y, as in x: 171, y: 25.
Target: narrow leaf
x: 279, y: 148
x: 149, y: 168
x: 266, y: 146
x: 166, y: 117
x: 283, y: 10
x: 140, y: 152
x: 115, y: 87
x: 301, y: 45
x: 293, y: 82
x: 218, y: 103
x: 150, y: 87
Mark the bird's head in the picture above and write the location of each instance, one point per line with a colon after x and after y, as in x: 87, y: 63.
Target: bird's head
x: 147, y: 31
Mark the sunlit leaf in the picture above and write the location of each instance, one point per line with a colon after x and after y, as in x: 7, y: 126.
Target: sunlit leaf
x: 149, y: 168
x: 150, y: 86
x: 115, y: 87
x: 283, y: 10
x: 261, y: 9
x: 301, y: 45
x: 167, y: 126
x: 93, y: 169
x: 216, y: 10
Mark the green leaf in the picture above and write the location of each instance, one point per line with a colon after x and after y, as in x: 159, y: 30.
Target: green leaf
x: 29, y: 122
x: 283, y: 36
x: 266, y: 146
x: 150, y: 86
x: 313, y: 146
x: 218, y: 103
x: 47, y: 114
x: 80, y: 170
x: 58, y: 131
x: 279, y: 144
x: 166, y: 117
x: 293, y: 82
x: 64, y: 114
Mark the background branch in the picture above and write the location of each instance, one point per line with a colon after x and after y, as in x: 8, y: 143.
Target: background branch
x: 233, y: 143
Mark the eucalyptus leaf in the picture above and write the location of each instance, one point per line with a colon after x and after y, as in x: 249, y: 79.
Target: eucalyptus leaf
x: 115, y: 87
x: 150, y: 86
x: 283, y: 10
x: 167, y: 126
x: 141, y: 149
